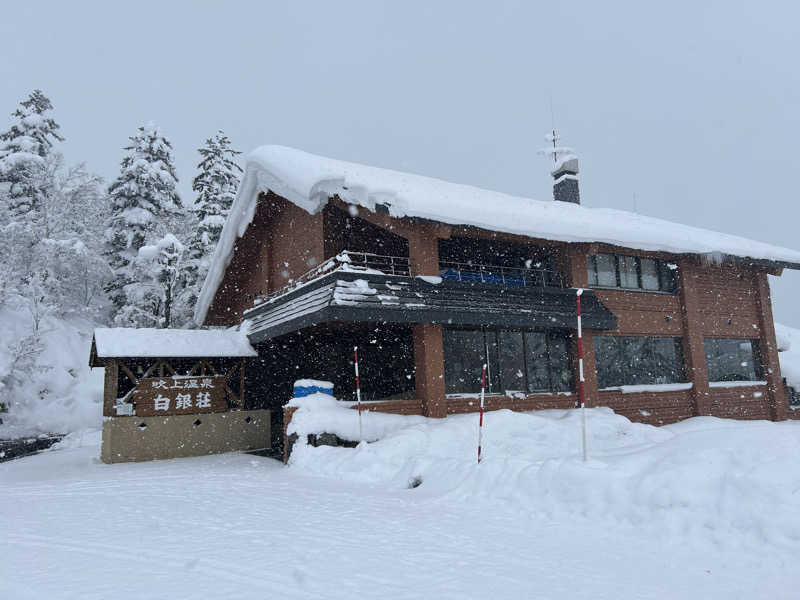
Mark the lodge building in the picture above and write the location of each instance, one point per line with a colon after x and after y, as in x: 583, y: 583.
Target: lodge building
x: 431, y: 280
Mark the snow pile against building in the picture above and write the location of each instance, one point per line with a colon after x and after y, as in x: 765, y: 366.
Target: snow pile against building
x: 309, y: 181
x: 704, y: 476
x: 788, y: 339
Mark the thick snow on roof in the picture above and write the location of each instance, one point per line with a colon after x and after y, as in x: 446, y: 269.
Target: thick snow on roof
x: 309, y: 181
x: 119, y: 342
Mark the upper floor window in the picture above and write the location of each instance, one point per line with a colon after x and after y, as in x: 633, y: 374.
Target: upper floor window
x: 732, y: 359
x: 631, y: 272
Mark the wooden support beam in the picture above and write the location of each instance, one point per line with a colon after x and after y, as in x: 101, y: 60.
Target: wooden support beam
x: 693, y: 342
x: 429, y: 369
x: 768, y: 347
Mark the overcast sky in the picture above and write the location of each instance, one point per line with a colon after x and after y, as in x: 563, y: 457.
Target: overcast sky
x: 689, y: 111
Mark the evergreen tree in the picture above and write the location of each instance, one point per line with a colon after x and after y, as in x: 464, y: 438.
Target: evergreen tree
x: 144, y: 201
x: 216, y: 187
x: 23, y: 154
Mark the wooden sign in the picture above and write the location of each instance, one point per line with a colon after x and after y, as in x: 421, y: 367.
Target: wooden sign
x: 180, y: 395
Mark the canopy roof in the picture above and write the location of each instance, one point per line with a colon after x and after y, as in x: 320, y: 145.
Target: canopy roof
x: 121, y: 342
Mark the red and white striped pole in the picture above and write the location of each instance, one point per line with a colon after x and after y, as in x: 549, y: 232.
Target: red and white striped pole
x: 480, y: 422
x: 358, y: 396
x: 581, y: 392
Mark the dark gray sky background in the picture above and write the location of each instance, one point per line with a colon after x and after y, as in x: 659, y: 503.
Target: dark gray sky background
x: 691, y: 108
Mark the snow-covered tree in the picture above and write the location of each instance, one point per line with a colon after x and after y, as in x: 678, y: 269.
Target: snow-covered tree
x: 144, y: 202
x: 216, y: 185
x: 24, y: 149
x: 161, y: 265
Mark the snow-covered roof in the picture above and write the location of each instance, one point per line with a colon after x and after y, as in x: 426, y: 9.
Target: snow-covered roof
x: 119, y: 342
x: 309, y: 181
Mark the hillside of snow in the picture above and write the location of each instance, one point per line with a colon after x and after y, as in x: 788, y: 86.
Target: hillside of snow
x: 52, y: 390
x: 707, y: 509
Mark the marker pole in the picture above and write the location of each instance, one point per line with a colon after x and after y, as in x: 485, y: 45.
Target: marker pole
x: 581, y: 391
x: 358, y: 396
x: 480, y: 422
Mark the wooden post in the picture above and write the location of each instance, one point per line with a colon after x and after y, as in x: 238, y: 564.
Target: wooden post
x: 429, y: 369
x: 110, y: 385
x: 693, y: 345
x: 423, y: 252
x: 768, y: 347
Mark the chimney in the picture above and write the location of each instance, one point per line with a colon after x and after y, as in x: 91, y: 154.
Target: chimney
x: 565, y: 180
x: 565, y: 171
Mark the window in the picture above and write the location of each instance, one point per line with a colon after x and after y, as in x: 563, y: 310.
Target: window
x: 732, y: 360
x: 638, y: 360
x: 628, y: 272
x: 518, y: 361
x: 631, y: 272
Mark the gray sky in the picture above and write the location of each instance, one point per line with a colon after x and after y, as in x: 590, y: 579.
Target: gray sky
x: 690, y: 108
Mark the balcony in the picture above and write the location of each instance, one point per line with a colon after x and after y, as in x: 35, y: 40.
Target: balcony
x: 399, y: 266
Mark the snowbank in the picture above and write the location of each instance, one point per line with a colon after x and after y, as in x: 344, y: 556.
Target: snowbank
x: 322, y: 413
x: 58, y: 393
x: 122, y: 341
x: 703, y: 476
x: 788, y: 339
x: 309, y: 181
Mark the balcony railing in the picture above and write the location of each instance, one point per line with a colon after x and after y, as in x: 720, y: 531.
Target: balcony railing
x: 346, y: 260
x: 389, y: 265
x: 368, y: 262
x: 508, y: 276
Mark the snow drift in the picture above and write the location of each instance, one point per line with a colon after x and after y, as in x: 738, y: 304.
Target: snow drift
x: 704, y: 476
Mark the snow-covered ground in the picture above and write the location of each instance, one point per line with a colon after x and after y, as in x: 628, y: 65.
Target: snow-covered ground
x: 704, y: 509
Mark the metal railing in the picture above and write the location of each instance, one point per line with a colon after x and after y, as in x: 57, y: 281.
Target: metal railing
x: 346, y: 260
x: 401, y: 267
x: 390, y: 265
x: 508, y: 276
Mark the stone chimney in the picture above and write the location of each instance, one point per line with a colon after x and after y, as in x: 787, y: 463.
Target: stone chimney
x: 565, y: 179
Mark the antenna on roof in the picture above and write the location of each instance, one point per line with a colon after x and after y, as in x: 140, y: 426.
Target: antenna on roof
x: 565, y: 169
x: 560, y: 154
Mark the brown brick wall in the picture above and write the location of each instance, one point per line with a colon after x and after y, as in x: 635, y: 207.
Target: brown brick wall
x: 532, y: 402
x: 746, y: 402
x: 643, y: 313
x: 282, y: 243
x: 653, y: 408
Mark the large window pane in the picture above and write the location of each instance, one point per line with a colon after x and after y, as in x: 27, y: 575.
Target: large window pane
x: 606, y: 270
x: 731, y: 360
x: 493, y: 362
x: 464, y: 355
x: 609, y: 362
x: 650, y: 279
x: 628, y: 276
x: 562, y: 374
x: 512, y: 361
x: 637, y: 360
x: 537, y: 361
